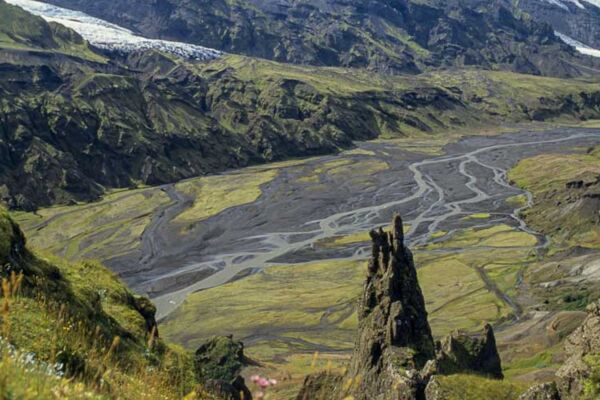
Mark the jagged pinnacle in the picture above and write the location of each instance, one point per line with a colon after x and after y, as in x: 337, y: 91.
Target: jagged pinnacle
x: 398, y: 227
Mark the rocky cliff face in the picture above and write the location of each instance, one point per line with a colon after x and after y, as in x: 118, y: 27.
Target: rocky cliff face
x: 387, y: 36
x: 395, y: 357
x: 459, y: 352
x: 581, y: 22
x: 578, y: 378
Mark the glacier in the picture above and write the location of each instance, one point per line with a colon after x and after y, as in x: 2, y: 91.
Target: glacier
x: 108, y: 36
x: 579, y: 3
x: 580, y: 47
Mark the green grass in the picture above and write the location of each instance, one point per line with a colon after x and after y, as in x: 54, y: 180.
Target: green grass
x: 496, y: 236
x: 462, y: 387
x: 517, y: 201
x: 556, y: 210
x: 20, y: 380
x: 82, y: 316
x: 455, y: 295
x: 280, y: 302
x: 536, y: 362
x: 108, y: 228
x: 357, y: 171
x: 477, y: 216
x: 311, y: 302
x: 214, y: 194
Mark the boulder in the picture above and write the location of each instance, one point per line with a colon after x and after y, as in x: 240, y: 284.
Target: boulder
x: 545, y: 391
x: 218, y: 364
x: 459, y: 352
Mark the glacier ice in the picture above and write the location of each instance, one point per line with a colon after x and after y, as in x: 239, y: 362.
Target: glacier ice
x: 579, y: 3
x: 580, y: 47
x: 105, y: 35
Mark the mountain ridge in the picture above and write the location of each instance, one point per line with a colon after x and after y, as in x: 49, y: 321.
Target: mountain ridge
x: 387, y: 36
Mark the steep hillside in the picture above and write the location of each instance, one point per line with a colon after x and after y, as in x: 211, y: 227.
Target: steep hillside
x: 566, y: 196
x: 387, y: 36
x: 75, y: 331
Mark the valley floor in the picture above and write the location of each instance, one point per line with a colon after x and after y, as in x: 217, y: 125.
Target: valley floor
x: 296, y: 233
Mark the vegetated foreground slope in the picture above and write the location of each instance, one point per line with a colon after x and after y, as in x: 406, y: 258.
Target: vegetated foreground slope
x: 75, y: 122
x: 73, y: 330
x: 388, y: 36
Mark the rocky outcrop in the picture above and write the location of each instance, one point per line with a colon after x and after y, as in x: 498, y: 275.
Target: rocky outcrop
x: 544, y: 391
x: 218, y: 363
x: 147, y: 309
x: 577, y: 375
x: 394, y: 334
x: 583, y: 342
x: 395, y: 357
x: 460, y: 352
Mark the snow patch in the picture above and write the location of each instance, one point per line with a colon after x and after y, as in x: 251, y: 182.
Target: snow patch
x: 580, y: 47
x: 109, y: 36
x: 579, y: 3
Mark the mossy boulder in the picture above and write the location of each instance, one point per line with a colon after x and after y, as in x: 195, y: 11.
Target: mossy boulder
x: 218, y: 364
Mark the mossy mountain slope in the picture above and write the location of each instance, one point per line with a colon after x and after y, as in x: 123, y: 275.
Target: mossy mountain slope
x: 388, y: 36
x: 74, y: 122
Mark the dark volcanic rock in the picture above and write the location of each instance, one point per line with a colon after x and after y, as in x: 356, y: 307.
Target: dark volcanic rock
x: 394, y: 334
x: 394, y: 356
x: 462, y: 353
x: 218, y: 364
x: 583, y: 342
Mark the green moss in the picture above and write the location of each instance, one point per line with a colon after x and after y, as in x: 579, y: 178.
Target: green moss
x: 220, y: 358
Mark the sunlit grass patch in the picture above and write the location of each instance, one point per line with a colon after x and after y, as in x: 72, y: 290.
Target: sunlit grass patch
x: 517, y: 201
x: 477, y: 216
x: 472, y: 387
x: 353, y: 238
x: 456, y: 297
x: 438, y: 234
x: 216, y: 193
x: 500, y: 235
x: 355, y: 170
